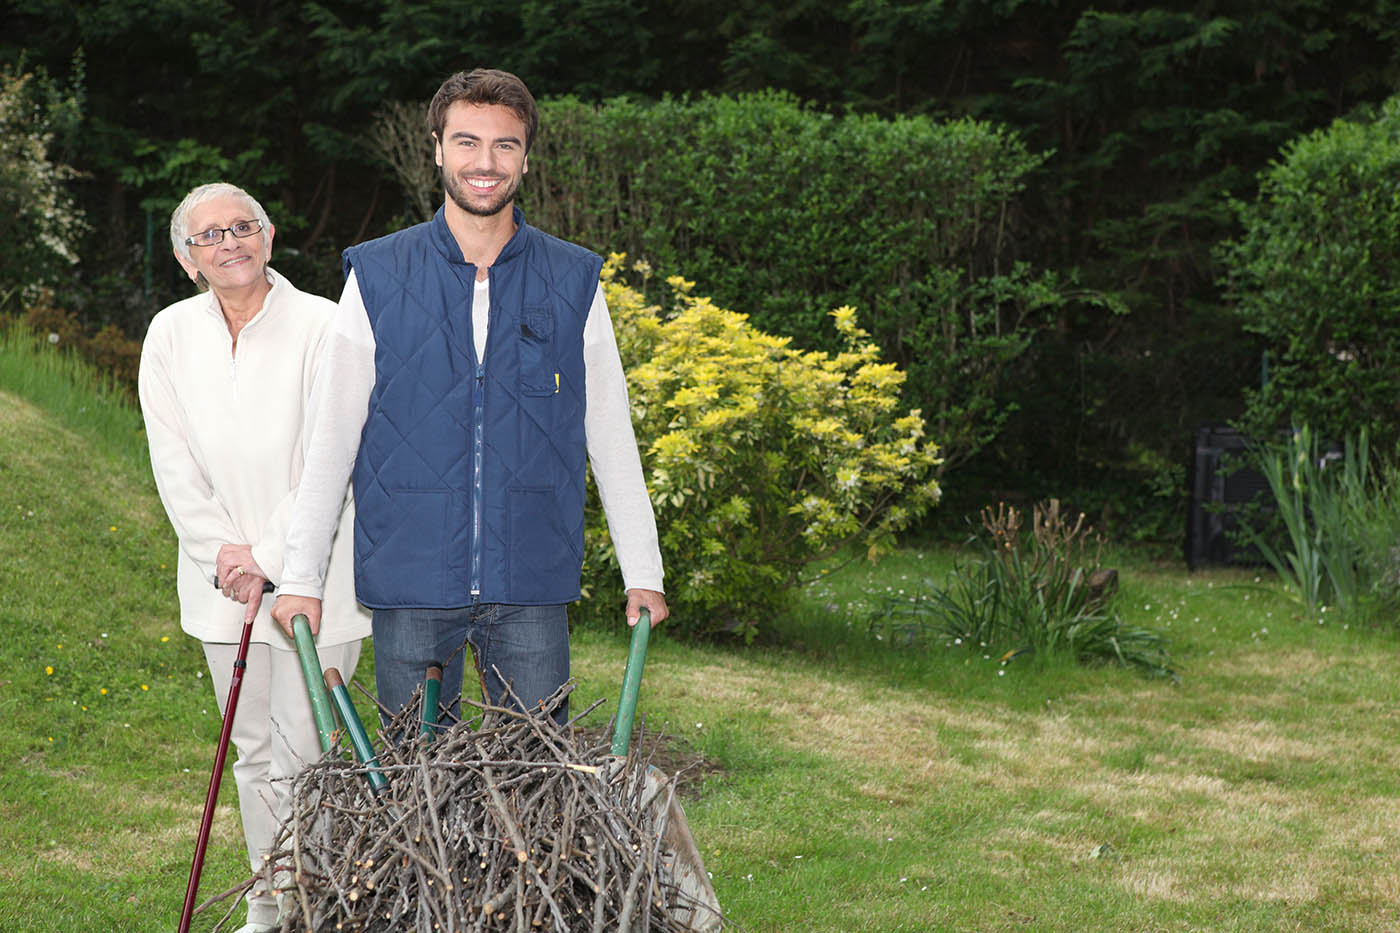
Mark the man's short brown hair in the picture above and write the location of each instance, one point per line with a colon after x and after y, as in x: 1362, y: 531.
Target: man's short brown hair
x: 485, y: 86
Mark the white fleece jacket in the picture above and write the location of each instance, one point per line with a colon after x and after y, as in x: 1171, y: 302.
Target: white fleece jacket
x: 227, y: 448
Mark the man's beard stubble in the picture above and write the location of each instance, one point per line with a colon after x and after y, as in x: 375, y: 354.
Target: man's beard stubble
x: 490, y: 209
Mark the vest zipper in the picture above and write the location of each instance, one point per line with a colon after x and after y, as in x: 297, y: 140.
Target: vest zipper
x: 478, y: 416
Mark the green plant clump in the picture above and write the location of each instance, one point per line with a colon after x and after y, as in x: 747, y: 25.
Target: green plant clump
x: 1029, y: 594
x: 1341, y: 523
x: 52, y: 375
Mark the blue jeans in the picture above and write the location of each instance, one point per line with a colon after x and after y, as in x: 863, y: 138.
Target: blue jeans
x: 528, y: 645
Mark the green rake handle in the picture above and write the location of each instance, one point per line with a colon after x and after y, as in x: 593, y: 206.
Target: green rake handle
x: 311, y: 672
x: 631, y: 685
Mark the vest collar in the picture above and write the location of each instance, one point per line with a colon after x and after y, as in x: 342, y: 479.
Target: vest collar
x: 447, y: 243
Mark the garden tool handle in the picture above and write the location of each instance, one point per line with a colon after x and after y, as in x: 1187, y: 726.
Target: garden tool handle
x: 359, y: 738
x: 432, y: 691
x: 315, y: 688
x: 631, y: 685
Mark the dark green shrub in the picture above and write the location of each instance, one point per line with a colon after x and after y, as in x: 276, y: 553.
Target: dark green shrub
x: 1317, y: 274
x: 785, y: 212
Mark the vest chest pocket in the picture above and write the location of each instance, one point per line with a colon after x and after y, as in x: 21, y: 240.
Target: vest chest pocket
x: 538, y: 375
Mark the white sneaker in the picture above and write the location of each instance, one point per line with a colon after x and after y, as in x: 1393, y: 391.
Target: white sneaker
x: 257, y: 928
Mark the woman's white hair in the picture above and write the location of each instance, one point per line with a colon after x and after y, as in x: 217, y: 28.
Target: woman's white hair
x: 180, y: 219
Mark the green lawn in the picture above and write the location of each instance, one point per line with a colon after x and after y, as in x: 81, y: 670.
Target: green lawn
x: 854, y: 787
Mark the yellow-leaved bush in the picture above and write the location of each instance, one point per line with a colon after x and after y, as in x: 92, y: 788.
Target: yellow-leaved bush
x: 760, y: 458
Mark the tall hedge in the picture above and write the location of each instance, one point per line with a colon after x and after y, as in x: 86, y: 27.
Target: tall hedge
x: 783, y: 212
x: 1316, y: 272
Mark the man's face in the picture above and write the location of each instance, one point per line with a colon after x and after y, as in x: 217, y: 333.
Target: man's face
x: 482, y: 157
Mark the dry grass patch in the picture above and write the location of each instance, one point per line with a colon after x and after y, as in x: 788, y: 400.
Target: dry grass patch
x: 1253, y: 843
x: 1255, y: 740
x: 847, y: 722
x: 38, y: 441
x: 1162, y: 881
x: 1285, y: 667
x: 121, y: 853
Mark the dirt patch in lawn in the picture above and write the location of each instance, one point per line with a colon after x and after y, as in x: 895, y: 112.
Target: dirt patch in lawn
x: 670, y: 754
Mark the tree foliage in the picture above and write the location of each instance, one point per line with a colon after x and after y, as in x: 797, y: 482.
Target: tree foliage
x: 1155, y: 114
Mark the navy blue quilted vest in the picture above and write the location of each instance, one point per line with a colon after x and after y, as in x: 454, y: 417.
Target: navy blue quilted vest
x: 469, y: 484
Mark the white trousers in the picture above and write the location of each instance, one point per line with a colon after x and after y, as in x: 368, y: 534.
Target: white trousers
x: 275, y: 735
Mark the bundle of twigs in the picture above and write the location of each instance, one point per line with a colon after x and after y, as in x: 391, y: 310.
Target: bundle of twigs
x: 505, y: 824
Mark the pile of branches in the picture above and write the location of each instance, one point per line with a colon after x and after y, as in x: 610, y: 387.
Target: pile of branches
x: 505, y: 824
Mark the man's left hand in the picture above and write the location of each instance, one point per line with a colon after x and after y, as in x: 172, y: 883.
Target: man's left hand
x: 655, y: 602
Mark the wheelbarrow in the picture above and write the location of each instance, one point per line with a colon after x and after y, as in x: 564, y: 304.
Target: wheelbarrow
x: 696, y: 908
x: 699, y: 907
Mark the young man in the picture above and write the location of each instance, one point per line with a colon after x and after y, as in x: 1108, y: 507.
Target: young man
x: 471, y: 370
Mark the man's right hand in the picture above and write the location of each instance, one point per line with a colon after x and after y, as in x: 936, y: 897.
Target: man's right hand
x: 287, y: 607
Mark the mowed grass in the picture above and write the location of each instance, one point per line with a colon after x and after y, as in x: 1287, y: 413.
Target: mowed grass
x: 857, y: 786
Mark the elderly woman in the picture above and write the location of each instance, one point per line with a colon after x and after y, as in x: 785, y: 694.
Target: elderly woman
x: 225, y: 383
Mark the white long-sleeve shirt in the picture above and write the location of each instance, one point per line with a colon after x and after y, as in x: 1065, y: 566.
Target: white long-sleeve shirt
x: 339, y: 407
x: 227, y: 441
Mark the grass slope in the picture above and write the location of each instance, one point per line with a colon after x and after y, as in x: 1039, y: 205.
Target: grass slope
x: 858, y: 788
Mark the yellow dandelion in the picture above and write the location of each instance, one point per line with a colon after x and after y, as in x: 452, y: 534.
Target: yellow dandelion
x: 163, y: 638
x: 104, y: 691
x: 113, y: 528
x: 144, y: 687
x: 48, y: 669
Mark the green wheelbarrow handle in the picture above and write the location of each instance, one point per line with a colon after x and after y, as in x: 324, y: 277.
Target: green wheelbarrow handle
x: 315, y: 686
x: 701, y: 910
x: 432, y: 693
x: 355, y: 729
x: 631, y: 685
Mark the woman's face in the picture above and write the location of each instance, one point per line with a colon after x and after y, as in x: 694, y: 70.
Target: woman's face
x: 235, y: 262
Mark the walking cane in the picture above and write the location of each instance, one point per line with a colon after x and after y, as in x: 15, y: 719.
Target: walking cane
x: 235, y: 685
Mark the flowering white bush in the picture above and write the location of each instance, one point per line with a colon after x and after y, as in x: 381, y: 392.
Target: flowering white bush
x: 39, y: 222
